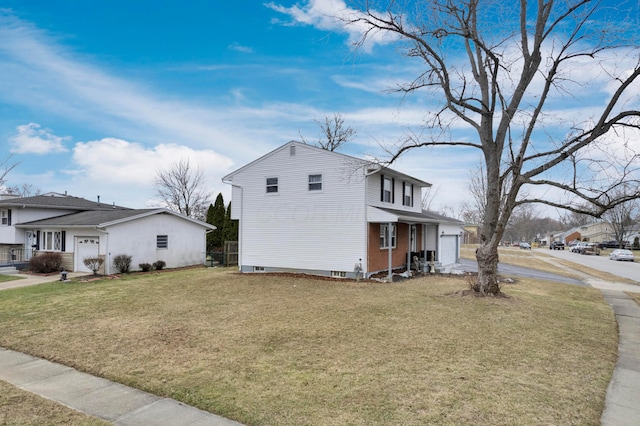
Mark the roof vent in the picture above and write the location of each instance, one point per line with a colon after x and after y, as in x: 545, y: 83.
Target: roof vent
x: 292, y: 150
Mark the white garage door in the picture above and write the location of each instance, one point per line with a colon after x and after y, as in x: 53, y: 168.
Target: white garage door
x: 448, y: 249
x: 85, y: 247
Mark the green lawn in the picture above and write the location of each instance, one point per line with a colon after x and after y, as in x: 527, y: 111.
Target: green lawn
x: 283, y: 350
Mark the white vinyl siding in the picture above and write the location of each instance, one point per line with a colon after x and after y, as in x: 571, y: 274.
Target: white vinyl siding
x: 301, y: 229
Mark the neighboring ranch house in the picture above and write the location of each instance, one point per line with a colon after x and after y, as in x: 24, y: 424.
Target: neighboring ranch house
x: 305, y: 209
x: 78, y: 228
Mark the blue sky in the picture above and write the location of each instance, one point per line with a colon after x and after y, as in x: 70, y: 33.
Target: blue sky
x: 96, y: 97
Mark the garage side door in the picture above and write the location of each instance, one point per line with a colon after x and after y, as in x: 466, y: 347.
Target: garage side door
x: 85, y: 247
x: 448, y: 249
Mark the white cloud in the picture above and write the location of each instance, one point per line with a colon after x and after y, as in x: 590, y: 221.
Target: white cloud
x: 32, y: 139
x: 334, y: 15
x: 240, y: 48
x: 117, y: 161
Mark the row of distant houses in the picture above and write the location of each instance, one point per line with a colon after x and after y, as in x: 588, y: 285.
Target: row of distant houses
x: 593, y: 232
x: 300, y: 209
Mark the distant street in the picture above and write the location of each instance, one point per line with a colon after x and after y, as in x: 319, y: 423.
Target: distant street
x: 629, y: 270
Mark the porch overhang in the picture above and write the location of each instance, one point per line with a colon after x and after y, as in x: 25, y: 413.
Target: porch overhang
x: 382, y: 215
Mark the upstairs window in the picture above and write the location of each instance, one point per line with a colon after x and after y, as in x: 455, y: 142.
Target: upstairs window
x: 162, y: 241
x: 4, y: 215
x: 272, y: 185
x: 407, y: 194
x: 315, y: 182
x: 385, y: 238
x: 386, y: 189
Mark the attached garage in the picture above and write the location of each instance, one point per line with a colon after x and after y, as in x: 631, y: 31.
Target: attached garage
x: 85, y: 247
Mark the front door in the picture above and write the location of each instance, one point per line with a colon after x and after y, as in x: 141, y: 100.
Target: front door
x: 29, y: 244
x: 85, y: 247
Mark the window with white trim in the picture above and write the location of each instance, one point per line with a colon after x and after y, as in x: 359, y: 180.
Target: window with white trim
x: 272, y: 185
x: 4, y: 215
x: 407, y: 194
x: 387, y: 190
x: 315, y: 182
x: 162, y: 241
x: 384, y: 236
x: 51, y: 241
x: 338, y: 274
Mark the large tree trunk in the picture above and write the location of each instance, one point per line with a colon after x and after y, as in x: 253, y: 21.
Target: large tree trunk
x: 487, y: 257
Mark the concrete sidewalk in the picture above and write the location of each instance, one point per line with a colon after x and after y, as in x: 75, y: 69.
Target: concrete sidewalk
x: 622, y: 405
x: 113, y: 402
x: 25, y: 280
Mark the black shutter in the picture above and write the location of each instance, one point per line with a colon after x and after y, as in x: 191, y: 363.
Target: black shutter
x: 404, y: 195
x: 411, y: 195
x: 393, y: 191
x: 9, y: 217
x: 63, y: 242
x: 382, y: 188
x: 37, y: 240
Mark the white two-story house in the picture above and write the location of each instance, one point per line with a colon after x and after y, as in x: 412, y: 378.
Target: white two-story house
x: 304, y: 209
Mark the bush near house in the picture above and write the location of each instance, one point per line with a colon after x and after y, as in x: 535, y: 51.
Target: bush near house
x: 46, y: 263
x: 122, y: 263
x: 93, y: 263
x: 144, y: 267
x: 159, y: 265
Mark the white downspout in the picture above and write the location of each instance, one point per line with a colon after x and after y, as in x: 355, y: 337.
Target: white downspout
x: 107, y: 255
x: 390, y: 249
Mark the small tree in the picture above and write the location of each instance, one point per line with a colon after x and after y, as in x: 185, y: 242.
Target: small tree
x: 230, y: 229
x: 216, y: 217
x: 93, y: 263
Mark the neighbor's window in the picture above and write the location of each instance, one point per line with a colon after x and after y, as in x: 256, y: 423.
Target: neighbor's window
x: 407, y: 194
x: 51, y: 241
x: 272, y: 185
x: 162, y: 241
x: 5, y: 217
x: 387, y: 188
x: 315, y: 182
x: 384, y: 236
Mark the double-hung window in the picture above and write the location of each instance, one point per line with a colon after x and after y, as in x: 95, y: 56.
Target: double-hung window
x: 387, y: 238
x: 386, y: 190
x: 407, y: 194
x: 272, y: 185
x: 315, y: 182
x: 4, y: 215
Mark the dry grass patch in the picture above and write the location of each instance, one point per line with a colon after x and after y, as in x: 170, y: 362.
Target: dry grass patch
x: 18, y: 407
x: 273, y: 350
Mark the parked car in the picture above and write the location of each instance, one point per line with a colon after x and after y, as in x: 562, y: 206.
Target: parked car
x: 589, y: 248
x: 525, y: 246
x: 621, y: 254
x: 613, y: 244
x: 556, y: 245
x: 575, y: 248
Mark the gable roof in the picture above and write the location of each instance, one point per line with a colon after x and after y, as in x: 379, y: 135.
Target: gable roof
x: 57, y: 201
x: 104, y: 218
x: 371, y: 166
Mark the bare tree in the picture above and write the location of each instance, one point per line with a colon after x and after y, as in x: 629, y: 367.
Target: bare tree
x: 182, y: 189
x: 622, y: 218
x: 503, y: 82
x: 5, y: 167
x: 334, y: 133
x: 24, y: 190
